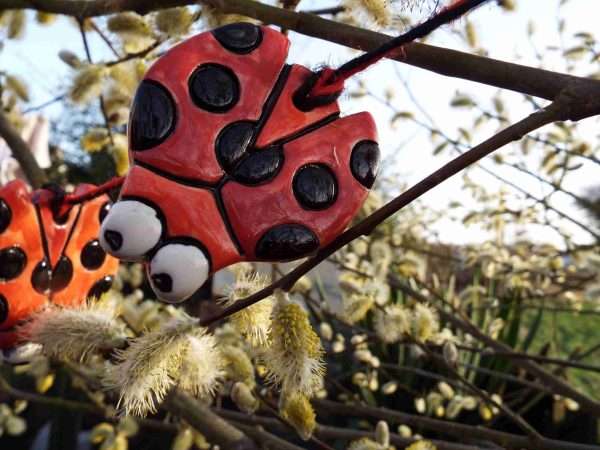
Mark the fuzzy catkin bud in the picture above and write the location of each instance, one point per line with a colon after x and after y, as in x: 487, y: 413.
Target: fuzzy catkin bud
x: 243, y: 398
x: 298, y: 411
x: 174, y: 21
x: 382, y: 433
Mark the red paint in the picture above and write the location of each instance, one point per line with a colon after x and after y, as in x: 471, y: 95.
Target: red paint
x: 291, y: 119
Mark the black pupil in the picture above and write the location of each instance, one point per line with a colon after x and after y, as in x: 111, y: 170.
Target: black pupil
x: 163, y: 282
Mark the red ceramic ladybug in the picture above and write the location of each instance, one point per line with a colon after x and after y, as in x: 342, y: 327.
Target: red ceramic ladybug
x: 226, y: 167
x: 47, y: 259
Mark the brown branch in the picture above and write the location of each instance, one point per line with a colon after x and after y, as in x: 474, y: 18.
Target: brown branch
x: 22, y: 153
x: 200, y: 416
x: 460, y: 431
x: 515, y: 77
x: 365, y: 227
x: 330, y: 432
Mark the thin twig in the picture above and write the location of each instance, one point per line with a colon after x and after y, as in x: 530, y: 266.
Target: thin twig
x: 22, y: 153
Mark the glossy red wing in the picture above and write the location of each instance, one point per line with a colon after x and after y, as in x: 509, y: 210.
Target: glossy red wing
x: 230, y: 86
x: 313, y: 218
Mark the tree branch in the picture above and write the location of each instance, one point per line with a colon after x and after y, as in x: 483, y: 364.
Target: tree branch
x: 22, y: 153
x: 456, y: 429
x: 330, y: 432
x: 199, y: 416
x: 452, y: 63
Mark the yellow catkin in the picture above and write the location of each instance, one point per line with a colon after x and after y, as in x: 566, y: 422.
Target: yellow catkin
x: 17, y: 86
x: 44, y: 18
x: 16, y: 24
x: 298, y: 411
x: 174, y: 21
x: 87, y: 83
x: 130, y: 24
x: 94, y: 140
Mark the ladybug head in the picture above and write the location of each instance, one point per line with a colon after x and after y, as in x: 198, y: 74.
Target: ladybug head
x: 142, y: 230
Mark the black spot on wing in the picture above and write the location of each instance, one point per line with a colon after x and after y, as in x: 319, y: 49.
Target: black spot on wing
x: 232, y: 143
x: 259, y: 166
x: 104, y: 209
x: 364, y: 162
x: 315, y: 187
x: 286, y: 242
x: 92, y: 255
x: 12, y: 262
x: 153, y: 116
x: 101, y: 286
x: 3, y: 309
x: 61, y: 274
x: 41, y: 277
x: 214, y: 88
x: 240, y: 37
x: 5, y: 215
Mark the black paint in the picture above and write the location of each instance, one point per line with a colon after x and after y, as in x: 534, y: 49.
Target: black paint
x: 315, y: 186
x: 163, y: 282
x: 364, y: 162
x: 5, y: 215
x: 239, y: 38
x: 12, y: 262
x: 61, y: 274
x: 41, y: 277
x: 101, y: 286
x: 286, y: 242
x: 92, y: 255
x: 153, y: 116
x: 232, y: 143
x: 259, y: 166
x: 104, y: 209
x: 3, y: 309
x: 114, y: 239
x: 214, y: 87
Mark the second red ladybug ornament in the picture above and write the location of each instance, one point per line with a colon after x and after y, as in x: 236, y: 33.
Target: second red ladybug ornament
x: 47, y: 257
x: 228, y: 166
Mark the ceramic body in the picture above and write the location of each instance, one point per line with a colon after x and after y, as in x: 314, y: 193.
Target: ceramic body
x: 223, y: 161
x: 43, y: 261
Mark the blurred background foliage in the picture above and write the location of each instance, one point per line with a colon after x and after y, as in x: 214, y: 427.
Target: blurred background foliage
x: 385, y: 308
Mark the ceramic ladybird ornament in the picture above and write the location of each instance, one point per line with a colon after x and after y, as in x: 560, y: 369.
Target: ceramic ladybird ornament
x: 48, y: 258
x: 226, y: 166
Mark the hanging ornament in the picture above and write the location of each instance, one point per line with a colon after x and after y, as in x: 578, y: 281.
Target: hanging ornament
x: 228, y: 167
x: 49, y: 252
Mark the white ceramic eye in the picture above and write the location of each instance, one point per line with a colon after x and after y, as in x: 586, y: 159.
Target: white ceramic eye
x: 177, y: 271
x: 130, y: 230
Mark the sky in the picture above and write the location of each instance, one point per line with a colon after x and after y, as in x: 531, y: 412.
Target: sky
x: 406, y: 149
